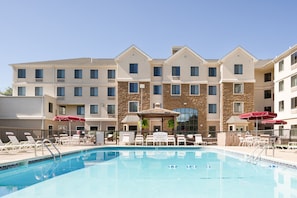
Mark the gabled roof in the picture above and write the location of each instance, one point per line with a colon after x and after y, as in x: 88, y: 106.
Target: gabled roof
x: 285, y: 53
x: 185, y: 48
x: 132, y: 47
x: 238, y: 49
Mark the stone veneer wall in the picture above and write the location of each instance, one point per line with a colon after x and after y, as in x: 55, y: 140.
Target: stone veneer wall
x: 228, y: 98
x: 187, y: 101
x: 124, y: 97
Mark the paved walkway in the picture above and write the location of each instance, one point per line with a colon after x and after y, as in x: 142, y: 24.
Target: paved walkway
x: 283, y: 156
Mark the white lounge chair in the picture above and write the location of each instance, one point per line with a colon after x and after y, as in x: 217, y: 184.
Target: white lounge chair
x: 199, y: 140
x: 180, y: 138
x: 139, y: 140
x: 8, y: 147
x: 22, y: 145
x: 32, y: 141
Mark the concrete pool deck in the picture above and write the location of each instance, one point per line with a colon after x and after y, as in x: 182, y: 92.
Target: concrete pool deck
x: 280, y: 155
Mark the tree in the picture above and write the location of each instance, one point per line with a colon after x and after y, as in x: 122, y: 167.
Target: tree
x: 145, y: 124
x: 7, y: 92
x: 171, y: 124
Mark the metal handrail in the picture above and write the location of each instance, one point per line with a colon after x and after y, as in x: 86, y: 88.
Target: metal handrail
x: 46, y: 146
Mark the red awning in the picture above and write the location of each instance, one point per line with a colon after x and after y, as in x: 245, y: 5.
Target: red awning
x: 69, y: 118
x: 274, y: 122
x: 258, y: 115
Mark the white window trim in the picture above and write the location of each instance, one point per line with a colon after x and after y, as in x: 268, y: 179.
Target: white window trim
x: 179, y: 90
x: 190, y: 90
x: 242, y: 85
x: 242, y: 107
x: 137, y: 88
x: 129, y: 106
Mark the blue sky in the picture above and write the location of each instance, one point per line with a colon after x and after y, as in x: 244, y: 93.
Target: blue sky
x: 40, y: 30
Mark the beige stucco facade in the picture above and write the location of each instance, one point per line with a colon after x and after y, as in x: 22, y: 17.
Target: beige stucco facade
x: 236, y: 85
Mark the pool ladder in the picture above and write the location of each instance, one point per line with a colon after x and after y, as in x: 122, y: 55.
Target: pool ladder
x: 256, y: 154
x: 44, y: 144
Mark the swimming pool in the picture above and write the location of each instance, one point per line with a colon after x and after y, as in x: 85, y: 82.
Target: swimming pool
x: 149, y: 172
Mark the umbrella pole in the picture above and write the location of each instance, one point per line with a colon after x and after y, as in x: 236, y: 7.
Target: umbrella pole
x: 69, y: 133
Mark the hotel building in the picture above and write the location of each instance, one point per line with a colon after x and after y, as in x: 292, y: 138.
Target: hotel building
x: 210, y: 94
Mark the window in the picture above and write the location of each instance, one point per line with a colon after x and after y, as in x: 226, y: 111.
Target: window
x: 212, y: 131
x: 62, y: 110
x: 21, y: 73
x: 194, y: 89
x: 93, y: 109
x: 157, y: 89
x: 175, y: 89
x: 294, y: 81
x: 111, y: 109
x: 77, y: 91
x: 38, y: 73
x: 80, y: 110
x: 133, y: 107
x: 133, y: 87
x: 93, y: 91
x: 294, y: 58
x: 281, y: 86
x: 133, y: 68
x: 78, y: 73
x: 294, y: 103
x: 267, y: 108
x: 212, y: 72
x: 267, y: 94
x: 50, y: 107
x: 281, y: 130
x: 281, y: 106
x: 238, y: 107
x: 238, y: 88
x: 157, y: 71
x: 212, y: 90
x: 187, y: 119
x: 38, y: 91
x: 60, y: 73
x: 281, y: 66
x: 238, y: 69
x: 21, y: 91
x: 60, y: 91
x: 111, y: 91
x: 194, y: 71
x: 267, y: 77
x: 94, y: 73
x: 111, y: 74
x: 212, y: 108
x: 175, y: 70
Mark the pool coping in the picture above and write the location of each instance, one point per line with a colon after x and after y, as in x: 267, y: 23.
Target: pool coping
x: 242, y: 154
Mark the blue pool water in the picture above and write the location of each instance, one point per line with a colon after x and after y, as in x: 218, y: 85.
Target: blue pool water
x: 162, y: 172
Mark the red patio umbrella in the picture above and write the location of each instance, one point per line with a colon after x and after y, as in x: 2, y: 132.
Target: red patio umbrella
x: 69, y: 119
x: 258, y: 115
x: 274, y: 122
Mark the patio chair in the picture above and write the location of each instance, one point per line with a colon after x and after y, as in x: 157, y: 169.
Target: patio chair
x: 22, y: 145
x: 171, y: 139
x: 139, y: 140
x: 8, y: 147
x: 180, y: 138
x: 32, y: 141
x: 199, y: 140
x: 149, y: 139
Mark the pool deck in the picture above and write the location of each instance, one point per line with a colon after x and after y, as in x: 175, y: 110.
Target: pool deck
x: 280, y: 155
